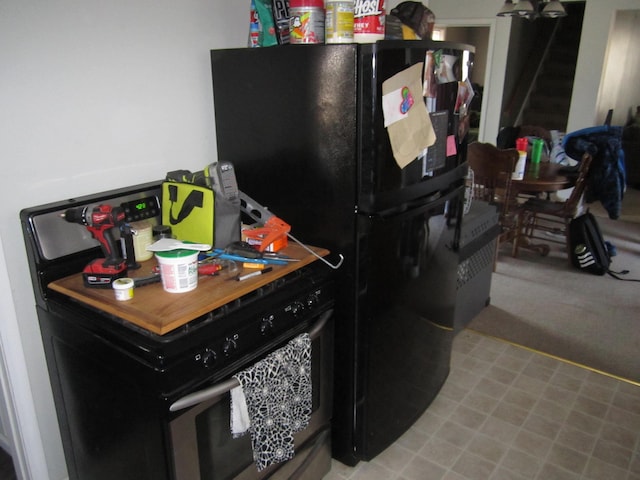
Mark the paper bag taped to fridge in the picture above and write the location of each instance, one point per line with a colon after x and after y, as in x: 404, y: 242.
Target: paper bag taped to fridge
x: 405, y: 115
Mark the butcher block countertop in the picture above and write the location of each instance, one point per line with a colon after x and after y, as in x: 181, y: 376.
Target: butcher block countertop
x: 159, y: 311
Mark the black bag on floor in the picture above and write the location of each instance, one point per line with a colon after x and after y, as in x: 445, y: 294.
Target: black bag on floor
x: 588, y: 250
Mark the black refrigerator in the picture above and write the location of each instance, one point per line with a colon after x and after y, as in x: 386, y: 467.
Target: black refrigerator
x: 303, y: 127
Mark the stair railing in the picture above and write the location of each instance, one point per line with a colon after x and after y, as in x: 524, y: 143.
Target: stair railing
x: 528, y: 78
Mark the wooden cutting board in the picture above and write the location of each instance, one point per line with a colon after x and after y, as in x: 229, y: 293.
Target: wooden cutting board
x: 159, y: 311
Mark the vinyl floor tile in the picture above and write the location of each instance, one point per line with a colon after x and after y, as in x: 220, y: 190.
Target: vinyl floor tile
x: 509, y: 413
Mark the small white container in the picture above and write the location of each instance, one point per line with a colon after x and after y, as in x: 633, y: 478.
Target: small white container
x: 123, y: 288
x: 178, y: 270
x: 518, y: 173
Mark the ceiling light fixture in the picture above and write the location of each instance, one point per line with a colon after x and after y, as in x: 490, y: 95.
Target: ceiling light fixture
x: 532, y: 9
x: 554, y: 9
x: 507, y: 10
x: 523, y: 8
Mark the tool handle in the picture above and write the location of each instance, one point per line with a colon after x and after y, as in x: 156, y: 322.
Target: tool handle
x: 217, y: 253
x: 104, y: 235
x: 252, y: 208
x: 127, y: 235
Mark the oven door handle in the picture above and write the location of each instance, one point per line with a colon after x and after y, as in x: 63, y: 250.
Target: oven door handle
x: 227, y: 385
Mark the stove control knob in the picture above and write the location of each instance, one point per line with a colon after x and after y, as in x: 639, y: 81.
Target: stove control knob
x: 266, y: 325
x: 312, y: 300
x: 208, y: 358
x: 230, y: 345
x: 297, y: 308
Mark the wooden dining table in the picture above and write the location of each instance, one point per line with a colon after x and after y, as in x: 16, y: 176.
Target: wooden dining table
x: 542, y: 178
x: 545, y: 177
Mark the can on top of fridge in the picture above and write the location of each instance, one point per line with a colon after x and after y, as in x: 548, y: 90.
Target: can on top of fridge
x: 338, y: 21
x: 368, y: 21
x: 306, y: 21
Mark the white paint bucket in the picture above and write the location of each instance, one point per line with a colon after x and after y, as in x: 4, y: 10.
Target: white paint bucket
x: 178, y: 270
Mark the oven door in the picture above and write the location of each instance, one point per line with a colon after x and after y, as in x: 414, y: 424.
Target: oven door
x: 202, y: 444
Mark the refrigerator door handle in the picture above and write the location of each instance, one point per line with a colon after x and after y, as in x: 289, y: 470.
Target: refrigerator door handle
x: 414, y: 208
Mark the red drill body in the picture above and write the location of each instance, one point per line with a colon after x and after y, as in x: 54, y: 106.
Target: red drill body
x: 100, y: 222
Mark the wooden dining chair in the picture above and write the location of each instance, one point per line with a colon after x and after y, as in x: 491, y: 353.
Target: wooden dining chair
x: 553, y: 217
x: 492, y: 169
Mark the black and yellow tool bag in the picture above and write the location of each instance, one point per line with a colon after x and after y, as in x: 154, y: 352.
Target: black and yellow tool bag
x: 195, y: 213
x: 190, y: 211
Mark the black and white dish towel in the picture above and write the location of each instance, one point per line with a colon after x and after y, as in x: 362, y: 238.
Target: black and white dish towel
x: 273, y: 401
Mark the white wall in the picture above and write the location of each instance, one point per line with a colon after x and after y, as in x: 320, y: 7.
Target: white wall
x: 96, y: 95
x: 619, y: 89
x: 587, y: 105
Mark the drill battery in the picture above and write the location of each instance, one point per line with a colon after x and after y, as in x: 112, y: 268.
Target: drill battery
x: 98, y: 275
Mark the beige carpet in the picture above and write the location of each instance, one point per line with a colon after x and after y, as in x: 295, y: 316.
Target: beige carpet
x: 545, y: 304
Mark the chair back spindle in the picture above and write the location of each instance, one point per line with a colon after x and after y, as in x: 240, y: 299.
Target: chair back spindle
x: 492, y: 171
x: 542, y: 215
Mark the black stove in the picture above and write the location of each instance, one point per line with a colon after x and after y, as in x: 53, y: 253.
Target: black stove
x: 114, y: 382
x: 212, y: 346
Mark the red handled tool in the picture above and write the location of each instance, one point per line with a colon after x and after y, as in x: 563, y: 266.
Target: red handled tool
x: 100, y: 221
x: 209, y: 268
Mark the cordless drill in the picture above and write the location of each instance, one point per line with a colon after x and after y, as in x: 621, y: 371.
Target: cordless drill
x: 100, y: 220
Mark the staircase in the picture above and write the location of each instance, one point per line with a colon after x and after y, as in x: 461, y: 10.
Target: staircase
x: 550, y: 98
